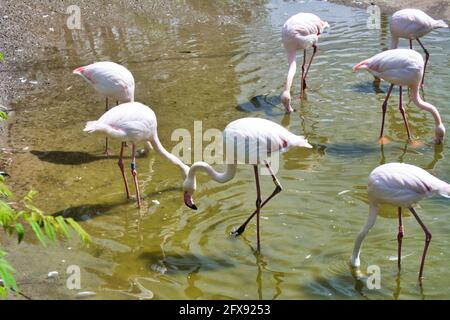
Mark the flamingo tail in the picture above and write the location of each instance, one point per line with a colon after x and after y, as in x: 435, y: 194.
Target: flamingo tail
x: 361, y: 65
x: 97, y: 126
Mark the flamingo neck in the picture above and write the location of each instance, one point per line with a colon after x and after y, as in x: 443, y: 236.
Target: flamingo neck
x: 175, y: 160
x: 394, y: 42
x: 292, y: 69
x: 415, y: 96
x: 220, y: 177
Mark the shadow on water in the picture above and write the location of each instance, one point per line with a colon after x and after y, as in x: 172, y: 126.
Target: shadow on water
x: 270, y: 105
x: 66, y: 157
x: 188, y: 262
x: 73, y: 157
x: 88, y: 211
x: 369, y: 87
x: 349, y: 150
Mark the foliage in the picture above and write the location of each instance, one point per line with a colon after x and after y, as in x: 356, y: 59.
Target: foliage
x: 46, y: 229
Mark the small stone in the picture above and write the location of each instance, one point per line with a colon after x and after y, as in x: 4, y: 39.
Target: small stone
x: 156, y: 202
x: 85, y: 294
x: 52, y: 274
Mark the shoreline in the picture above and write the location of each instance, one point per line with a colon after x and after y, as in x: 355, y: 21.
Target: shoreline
x: 436, y: 9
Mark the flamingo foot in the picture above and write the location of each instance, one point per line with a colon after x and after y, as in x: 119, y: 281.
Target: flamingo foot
x: 236, y: 233
x: 415, y: 143
x: 383, y: 140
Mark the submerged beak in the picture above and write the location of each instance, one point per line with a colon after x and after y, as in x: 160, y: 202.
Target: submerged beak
x: 189, y: 202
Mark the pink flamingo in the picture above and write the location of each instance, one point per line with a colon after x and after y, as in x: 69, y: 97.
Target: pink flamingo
x: 299, y: 32
x: 111, y: 80
x: 403, y: 186
x: 413, y: 24
x: 256, y: 139
x: 402, y: 67
x: 133, y: 122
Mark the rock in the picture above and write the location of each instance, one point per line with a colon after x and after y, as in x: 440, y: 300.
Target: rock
x: 52, y: 275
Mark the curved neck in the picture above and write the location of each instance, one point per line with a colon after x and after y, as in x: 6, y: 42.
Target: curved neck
x: 292, y: 69
x: 220, y: 177
x: 394, y: 42
x: 175, y: 160
x: 415, y: 96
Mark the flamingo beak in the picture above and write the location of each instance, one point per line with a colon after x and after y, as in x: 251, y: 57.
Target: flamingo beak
x: 188, y: 201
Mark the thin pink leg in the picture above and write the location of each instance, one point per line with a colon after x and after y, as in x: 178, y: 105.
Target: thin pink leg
x: 302, y: 80
x: 134, y: 173
x: 427, y: 57
x: 258, y: 205
x: 278, y: 189
x: 384, y: 109
x: 402, y: 111
x: 120, y: 163
x: 106, y: 139
x: 309, y: 64
x: 428, y: 237
x: 400, y: 237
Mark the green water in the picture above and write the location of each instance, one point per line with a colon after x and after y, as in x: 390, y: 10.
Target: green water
x: 217, y: 62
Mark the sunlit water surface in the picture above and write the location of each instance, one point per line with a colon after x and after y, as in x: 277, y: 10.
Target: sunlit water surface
x: 217, y: 62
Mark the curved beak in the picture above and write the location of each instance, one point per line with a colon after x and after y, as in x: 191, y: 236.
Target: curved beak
x: 188, y: 201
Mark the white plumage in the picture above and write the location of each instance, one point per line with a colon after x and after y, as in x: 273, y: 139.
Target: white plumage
x: 402, y: 67
x: 133, y: 122
x: 110, y: 79
x: 403, y: 186
x: 250, y: 141
x: 299, y: 32
x: 412, y: 24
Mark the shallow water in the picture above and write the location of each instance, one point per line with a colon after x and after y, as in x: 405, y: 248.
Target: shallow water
x: 216, y: 63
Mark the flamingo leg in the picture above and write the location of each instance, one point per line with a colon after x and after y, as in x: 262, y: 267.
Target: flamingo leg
x: 120, y: 163
x: 400, y: 237
x: 258, y: 205
x: 302, y: 81
x: 278, y: 189
x: 428, y: 237
x: 427, y: 57
x: 309, y: 65
x: 106, y: 139
x: 134, y: 173
x: 402, y: 111
x: 384, y: 109
x: 410, y: 43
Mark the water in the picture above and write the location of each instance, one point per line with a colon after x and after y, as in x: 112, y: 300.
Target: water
x: 217, y: 62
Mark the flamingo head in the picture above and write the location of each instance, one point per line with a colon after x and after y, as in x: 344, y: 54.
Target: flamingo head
x: 286, y: 101
x: 189, y: 186
x: 440, y: 133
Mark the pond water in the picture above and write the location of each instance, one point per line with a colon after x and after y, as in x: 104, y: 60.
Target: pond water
x: 217, y: 62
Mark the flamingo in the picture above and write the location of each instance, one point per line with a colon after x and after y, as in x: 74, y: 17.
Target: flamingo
x: 111, y: 80
x: 299, y: 32
x: 258, y: 139
x: 402, y: 67
x: 401, y: 185
x: 133, y: 122
x: 413, y: 24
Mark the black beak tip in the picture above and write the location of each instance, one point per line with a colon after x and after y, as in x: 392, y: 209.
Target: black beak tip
x: 194, y: 207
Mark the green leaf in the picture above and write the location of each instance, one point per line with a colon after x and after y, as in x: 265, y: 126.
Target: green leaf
x: 64, y: 229
x: 84, y: 236
x: 37, y: 231
x: 49, y: 230
x: 20, y: 232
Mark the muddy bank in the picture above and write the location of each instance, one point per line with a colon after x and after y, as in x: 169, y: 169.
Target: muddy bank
x: 436, y: 9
